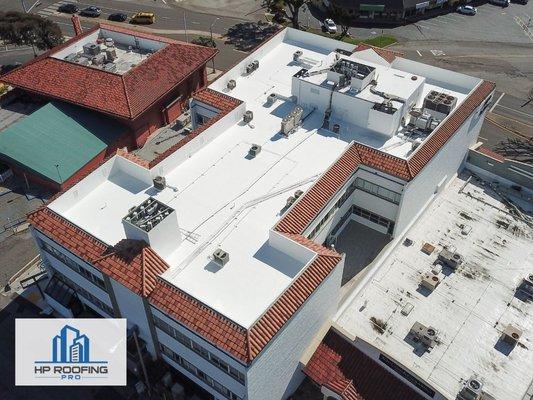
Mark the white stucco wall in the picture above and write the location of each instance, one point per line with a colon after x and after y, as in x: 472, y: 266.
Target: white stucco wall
x: 276, y: 372
x: 131, y: 307
x: 443, y: 167
x: 198, y: 361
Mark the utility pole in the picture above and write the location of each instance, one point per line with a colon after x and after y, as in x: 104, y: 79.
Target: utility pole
x: 212, y: 41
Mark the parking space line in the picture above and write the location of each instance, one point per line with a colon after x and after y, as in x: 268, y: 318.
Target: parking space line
x: 496, y: 103
x: 420, y: 54
x: 516, y: 111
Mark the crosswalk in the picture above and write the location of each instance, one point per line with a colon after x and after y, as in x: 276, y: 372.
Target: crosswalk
x: 51, y: 9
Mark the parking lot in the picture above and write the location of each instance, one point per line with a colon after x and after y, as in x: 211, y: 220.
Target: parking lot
x: 490, y: 24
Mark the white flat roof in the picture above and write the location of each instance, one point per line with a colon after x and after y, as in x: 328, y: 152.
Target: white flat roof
x: 222, y: 198
x: 469, y: 309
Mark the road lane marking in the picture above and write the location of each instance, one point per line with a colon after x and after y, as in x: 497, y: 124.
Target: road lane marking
x: 516, y: 111
x: 496, y: 103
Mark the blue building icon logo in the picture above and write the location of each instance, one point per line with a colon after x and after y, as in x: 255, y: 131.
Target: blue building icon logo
x: 71, y: 347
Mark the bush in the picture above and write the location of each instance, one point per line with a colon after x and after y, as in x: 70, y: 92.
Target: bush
x: 204, y: 41
x: 30, y: 30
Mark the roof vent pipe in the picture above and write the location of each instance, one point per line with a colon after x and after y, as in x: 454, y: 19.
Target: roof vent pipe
x: 159, y: 182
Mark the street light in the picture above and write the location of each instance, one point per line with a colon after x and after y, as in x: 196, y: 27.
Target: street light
x: 212, y: 41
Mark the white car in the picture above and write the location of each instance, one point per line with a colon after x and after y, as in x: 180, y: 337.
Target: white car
x: 467, y: 10
x: 329, y: 26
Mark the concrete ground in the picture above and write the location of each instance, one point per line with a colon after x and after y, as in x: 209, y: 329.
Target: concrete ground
x: 361, y: 245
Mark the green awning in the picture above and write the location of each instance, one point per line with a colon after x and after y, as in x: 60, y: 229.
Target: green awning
x: 57, y: 140
x: 371, y: 7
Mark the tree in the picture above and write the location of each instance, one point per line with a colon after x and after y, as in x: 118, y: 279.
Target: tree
x: 289, y: 8
x: 341, y: 18
x: 30, y: 30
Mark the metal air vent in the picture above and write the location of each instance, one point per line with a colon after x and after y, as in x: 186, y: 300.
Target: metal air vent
x: 220, y: 257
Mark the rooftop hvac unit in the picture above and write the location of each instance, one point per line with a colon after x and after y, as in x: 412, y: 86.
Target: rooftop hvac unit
x: 91, y: 49
x: 287, y: 125
x: 255, y: 63
x: 430, y: 281
x: 159, y: 182
x: 72, y: 57
x: 439, y: 102
x: 296, y: 113
x: 290, y: 201
x: 336, y: 128
x: 472, y: 390
x: 109, y: 42
x: 83, y: 61
x: 298, y: 193
x: 232, y: 84
x: 254, y: 150
x: 511, y: 334
x: 425, y: 335
x: 111, y: 54
x: 526, y: 287
x: 248, y: 116
x: 98, y: 59
x: 220, y: 257
x: 110, y: 67
x: 297, y: 54
x: 452, y: 260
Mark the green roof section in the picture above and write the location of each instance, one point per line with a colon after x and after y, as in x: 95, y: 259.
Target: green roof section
x: 58, y: 139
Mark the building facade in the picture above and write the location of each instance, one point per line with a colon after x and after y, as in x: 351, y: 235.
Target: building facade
x: 221, y: 252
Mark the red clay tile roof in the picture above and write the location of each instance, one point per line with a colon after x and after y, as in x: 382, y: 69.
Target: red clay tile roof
x: 491, y: 154
x: 307, y: 208
x: 131, y: 263
x: 315, y: 199
x: 220, y: 101
x: 342, y: 368
x: 388, y: 55
x: 126, y: 95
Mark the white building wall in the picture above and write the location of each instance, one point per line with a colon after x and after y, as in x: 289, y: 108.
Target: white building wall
x: 203, y: 365
x: 198, y: 361
x: 69, y: 273
x: 276, y: 373
x: 132, y: 308
x: 443, y: 167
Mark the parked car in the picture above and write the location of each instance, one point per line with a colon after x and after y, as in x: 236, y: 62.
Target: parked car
x: 501, y: 3
x: 329, y: 26
x: 143, y: 18
x: 118, y: 17
x: 524, y: 2
x: 4, y: 69
x: 467, y: 10
x: 68, y: 8
x: 91, y: 11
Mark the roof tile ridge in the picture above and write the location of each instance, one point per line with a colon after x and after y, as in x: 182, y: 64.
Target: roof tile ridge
x: 143, y: 272
x: 124, y: 88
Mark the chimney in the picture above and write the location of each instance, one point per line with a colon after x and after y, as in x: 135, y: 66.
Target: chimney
x: 77, y: 25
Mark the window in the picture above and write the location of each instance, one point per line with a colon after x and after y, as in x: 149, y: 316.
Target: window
x: 374, y: 218
x: 378, y: 191
x: 199, y: 373
x: 73, y: 265
x: 85, y: 294
x: 198, y: 349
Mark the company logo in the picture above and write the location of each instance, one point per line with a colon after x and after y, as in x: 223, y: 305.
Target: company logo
x: 87, y: 352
